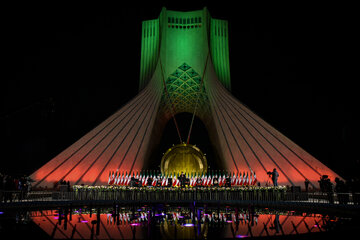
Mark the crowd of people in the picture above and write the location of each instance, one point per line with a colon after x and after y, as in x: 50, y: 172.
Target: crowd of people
x: 352, y: 185
x: 341, y: 188
x: 155, y: 178
x: 181, y: 181
x: 13, y: 183
x: 63, y: 186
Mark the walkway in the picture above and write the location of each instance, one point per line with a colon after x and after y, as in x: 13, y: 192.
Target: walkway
x: 317, y: 201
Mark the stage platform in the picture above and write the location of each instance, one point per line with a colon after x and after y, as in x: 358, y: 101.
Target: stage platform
x: 304, y: 201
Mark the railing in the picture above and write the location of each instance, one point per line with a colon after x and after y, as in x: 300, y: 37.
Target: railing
x: 166, y: 195
x: 22, y: 196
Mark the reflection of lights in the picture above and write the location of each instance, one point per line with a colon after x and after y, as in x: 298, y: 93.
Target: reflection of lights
x: 160, y: 214
x: 188, y: 225
x: 241, y: 236
x: 183, y: 220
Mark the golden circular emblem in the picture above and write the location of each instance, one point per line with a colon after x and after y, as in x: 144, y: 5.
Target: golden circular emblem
x: 185, y: 158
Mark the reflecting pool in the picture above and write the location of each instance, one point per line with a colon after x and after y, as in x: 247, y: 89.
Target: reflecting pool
x: 167, y: 222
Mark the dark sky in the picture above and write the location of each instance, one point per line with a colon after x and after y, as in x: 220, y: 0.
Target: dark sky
x: 69, y: 71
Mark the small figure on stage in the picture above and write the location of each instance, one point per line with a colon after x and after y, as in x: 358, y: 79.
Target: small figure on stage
x: 134, y: 182
x: 198, y: 182
x: 149, y: 182
x: 187, y: 181
x: 228, y: 181
x: 182, y: 179
x: 274, y: 177
x: 170, y: 182
x: 158, y: 180
x: 215, y: 182
x: 307, y: 185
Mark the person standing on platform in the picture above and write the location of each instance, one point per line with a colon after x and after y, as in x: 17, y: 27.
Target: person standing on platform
x: 158, y: 180
x: 275, y: 176
x: 215, y: 182
x: 182, y: 179
x: 307, y: 185
x: 198, y: 182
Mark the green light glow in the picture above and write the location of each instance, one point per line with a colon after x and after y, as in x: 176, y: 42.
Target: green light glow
x: 149, y: 50
x: 219, y: 45
x: 184, y: 37
x: 183, y: 86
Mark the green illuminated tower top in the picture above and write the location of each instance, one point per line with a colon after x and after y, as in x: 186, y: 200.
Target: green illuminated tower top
x: 184, y: 37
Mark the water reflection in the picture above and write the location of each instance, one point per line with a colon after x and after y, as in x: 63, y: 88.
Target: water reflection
x: 171, y: 222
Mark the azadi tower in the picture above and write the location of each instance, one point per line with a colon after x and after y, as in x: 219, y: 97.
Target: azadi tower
x: 184, y: 68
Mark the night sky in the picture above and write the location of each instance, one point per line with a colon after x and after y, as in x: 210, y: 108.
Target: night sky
x: 70, y: 71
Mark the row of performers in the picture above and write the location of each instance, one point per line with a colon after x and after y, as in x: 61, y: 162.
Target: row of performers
x: 173, y: 180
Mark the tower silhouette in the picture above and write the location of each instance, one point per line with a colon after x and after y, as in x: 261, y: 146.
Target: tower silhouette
x: 184, y: 68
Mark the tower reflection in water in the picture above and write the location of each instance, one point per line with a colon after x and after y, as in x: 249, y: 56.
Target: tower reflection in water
x: 176, y: 223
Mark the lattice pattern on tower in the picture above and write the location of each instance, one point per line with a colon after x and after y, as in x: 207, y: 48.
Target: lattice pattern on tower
x: 183, y: 87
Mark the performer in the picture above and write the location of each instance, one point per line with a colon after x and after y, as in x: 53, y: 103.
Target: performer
x: 158, y: 180
x: 182, y: 179
x: 307, y: 185
x: 215, y: 181
x: 198, y: 182
x: 228, y: 181
x: 133, y: 182
x: 149, y: 181
x: 275, y: 176
x: 169, y: 182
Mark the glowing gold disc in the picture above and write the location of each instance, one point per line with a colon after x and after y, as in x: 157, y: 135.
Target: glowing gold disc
x: 185, y: 158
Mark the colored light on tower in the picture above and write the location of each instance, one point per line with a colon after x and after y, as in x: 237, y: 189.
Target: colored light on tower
x: 191, y: 67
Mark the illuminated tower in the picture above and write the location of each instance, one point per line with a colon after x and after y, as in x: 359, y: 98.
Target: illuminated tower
x: 184, y: 68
